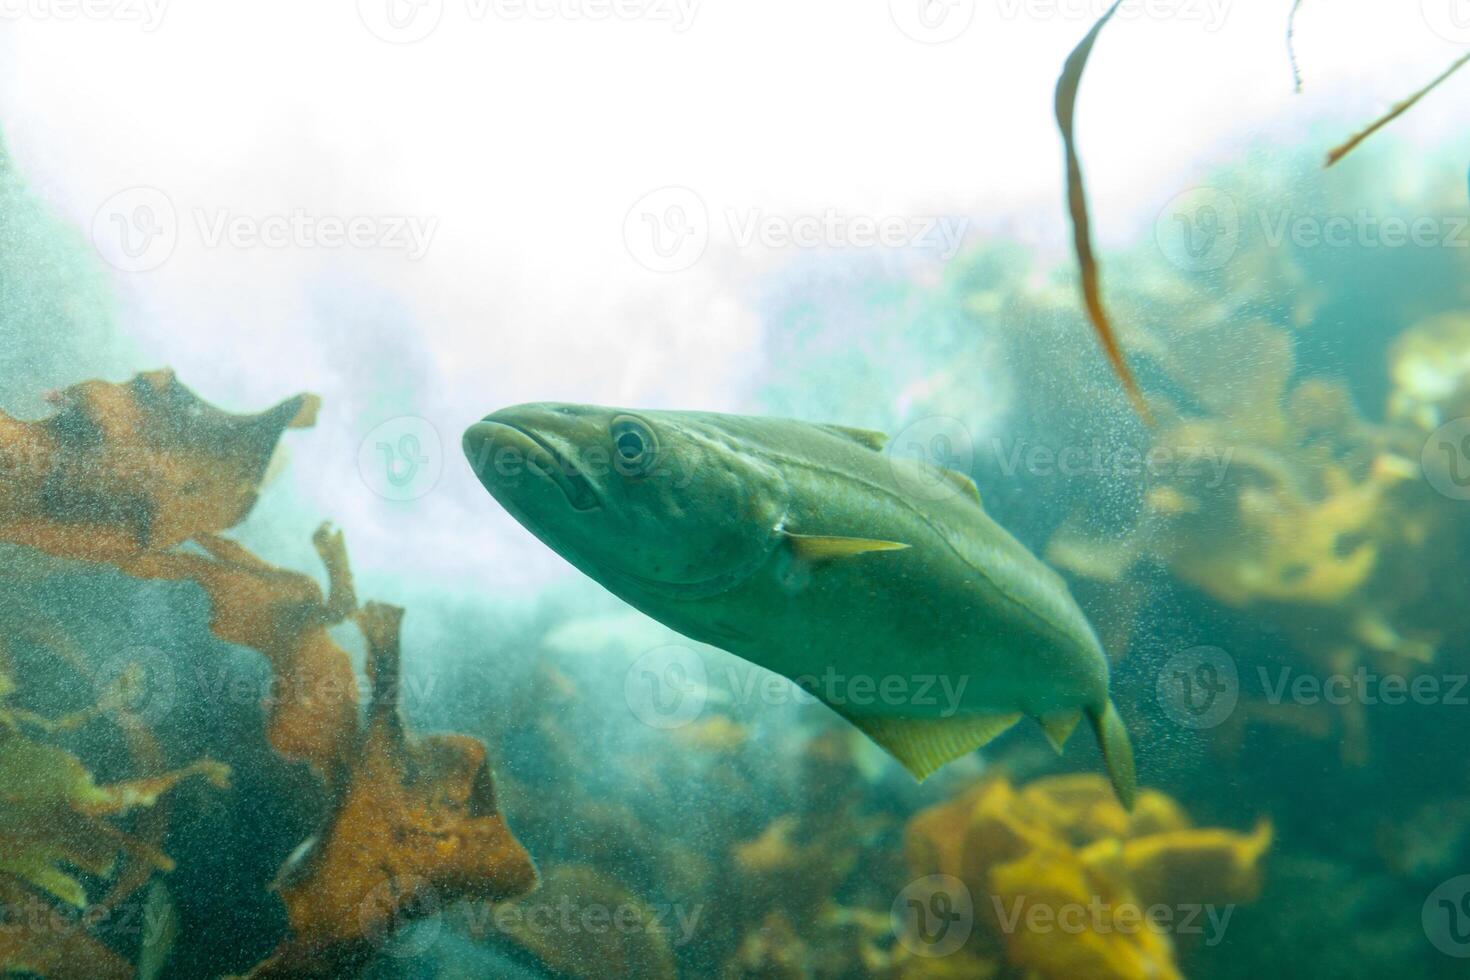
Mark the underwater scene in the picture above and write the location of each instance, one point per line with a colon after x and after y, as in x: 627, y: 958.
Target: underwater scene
x: 592, y: 489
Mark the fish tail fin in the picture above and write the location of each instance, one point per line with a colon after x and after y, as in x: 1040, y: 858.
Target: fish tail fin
x: 1117, y: 750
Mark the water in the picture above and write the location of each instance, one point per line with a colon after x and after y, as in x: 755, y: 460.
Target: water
x: 232, y: 454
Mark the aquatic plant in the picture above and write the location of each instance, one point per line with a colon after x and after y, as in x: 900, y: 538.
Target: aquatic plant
x: 56, y: 820
x: 1062, y: 848
x: 1068, y: 85
x: 1318, y: 523
x: 124, y: 475
x: 416, y: 824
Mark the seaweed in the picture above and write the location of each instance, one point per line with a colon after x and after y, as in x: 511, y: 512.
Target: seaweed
x: 1399, y: 108
x: 1097, y: 314
x: 1068, y: 85
x: 1064, y: 846
x: 142, y: 476
x: 416, y: 827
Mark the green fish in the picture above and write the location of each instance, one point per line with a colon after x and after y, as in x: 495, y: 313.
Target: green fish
x: 810, y: 551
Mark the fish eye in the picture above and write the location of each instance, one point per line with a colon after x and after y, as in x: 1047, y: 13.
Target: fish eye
x: 633, y: 444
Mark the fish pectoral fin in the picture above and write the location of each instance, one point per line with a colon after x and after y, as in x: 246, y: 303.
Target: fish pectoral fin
x: 822, y: 547
x: 1059, y: 726
x: 923, y: 745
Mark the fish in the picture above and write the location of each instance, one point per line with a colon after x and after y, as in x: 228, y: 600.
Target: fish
x: 809, y: 550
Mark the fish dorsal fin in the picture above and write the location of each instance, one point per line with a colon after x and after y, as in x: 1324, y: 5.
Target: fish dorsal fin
x: 826, y: 547
x: 923, y: 745
x: 1059, y: 726
x: 963, y: 483
x: 863, y: 437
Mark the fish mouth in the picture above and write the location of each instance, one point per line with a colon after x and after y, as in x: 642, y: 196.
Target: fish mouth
x: 500, y: 450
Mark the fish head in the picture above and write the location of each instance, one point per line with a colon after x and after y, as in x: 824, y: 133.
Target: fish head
x: 671, y: 504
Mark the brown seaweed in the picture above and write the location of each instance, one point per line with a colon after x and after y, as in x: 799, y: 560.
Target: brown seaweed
x: 417, y: 828
x: 1066, y: 104
x: 123, y: 469
x: 1399, y: 108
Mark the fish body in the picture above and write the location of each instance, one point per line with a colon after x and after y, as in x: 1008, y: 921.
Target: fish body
x: 874, y: 580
